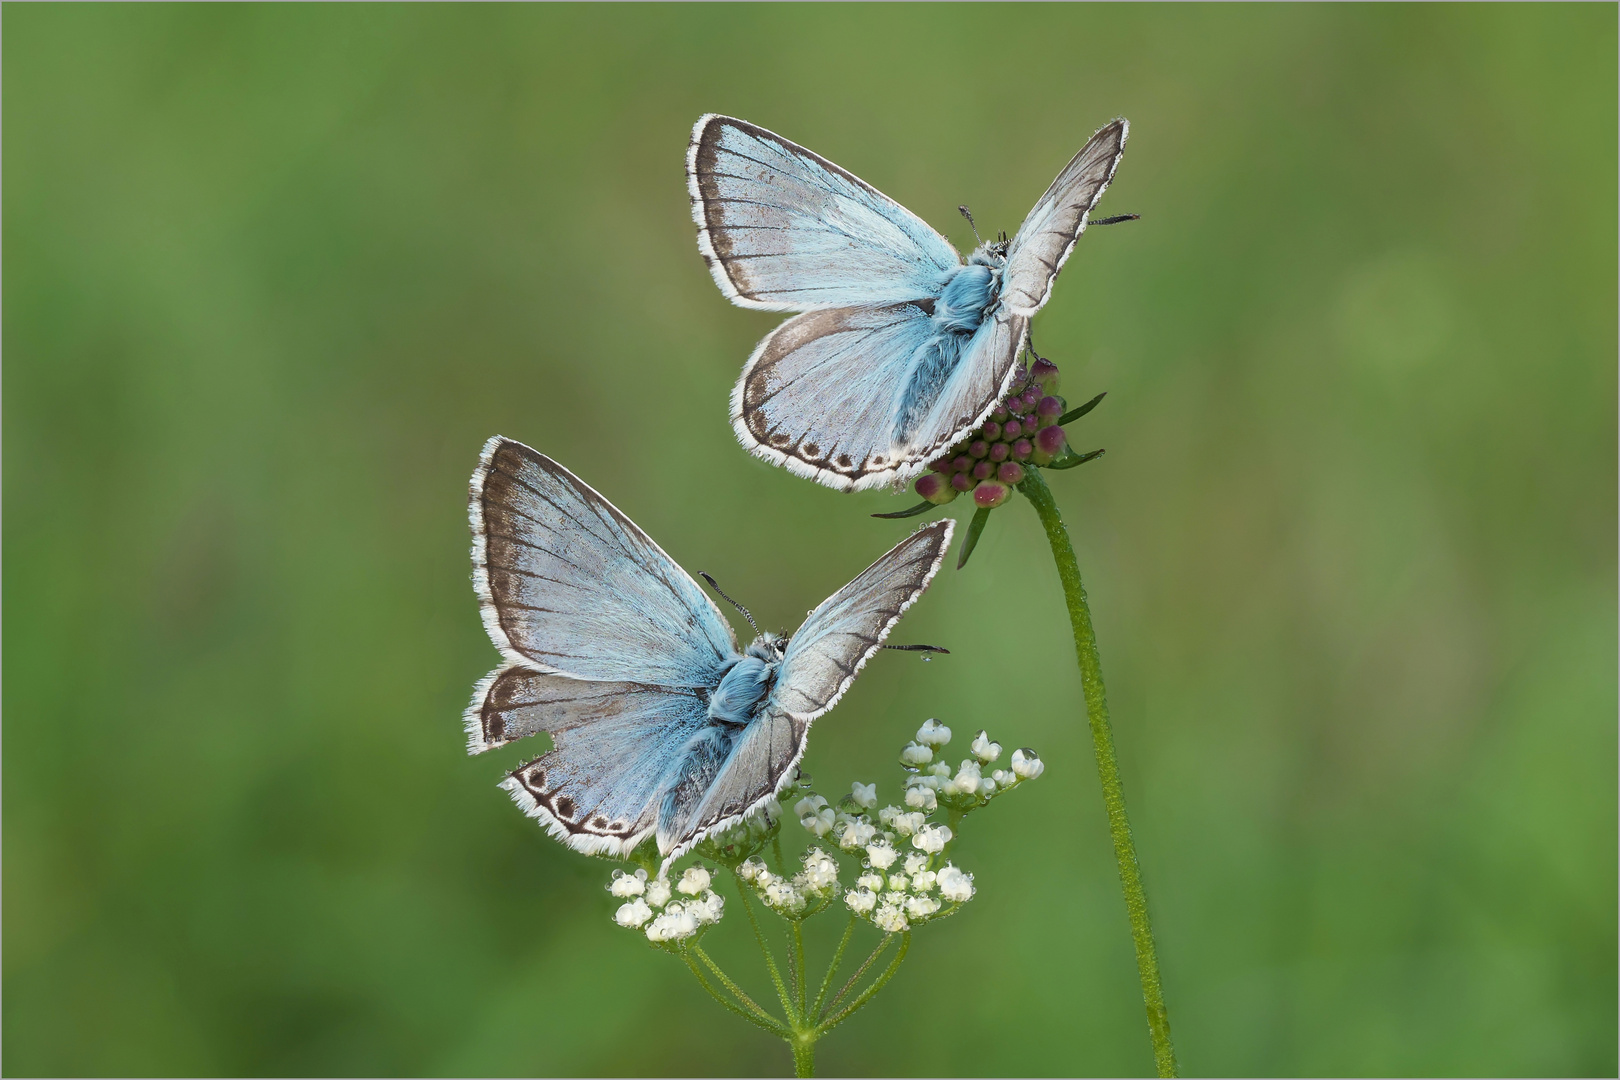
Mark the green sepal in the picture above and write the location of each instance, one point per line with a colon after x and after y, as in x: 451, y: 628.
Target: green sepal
x: 921, y: 508
x: 1069, y: 459
x: 971, y: 540
x: 1075, y: 414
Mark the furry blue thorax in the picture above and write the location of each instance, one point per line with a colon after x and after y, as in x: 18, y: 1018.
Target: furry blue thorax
x: 745, y: 685
x: 966, y: 297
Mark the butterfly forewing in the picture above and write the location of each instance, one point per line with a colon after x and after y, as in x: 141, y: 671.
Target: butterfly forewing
x: 785, y: 229
x: 570, y: 584
x: 1049, y: 232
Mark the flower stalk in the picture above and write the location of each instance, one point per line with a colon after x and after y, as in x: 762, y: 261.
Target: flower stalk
x: 1039, y: 495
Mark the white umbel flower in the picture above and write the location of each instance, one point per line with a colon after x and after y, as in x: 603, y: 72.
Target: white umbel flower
x: 898, y: 883
x: 932, y: 839
x: 808, y: 805
x: 955, y: 885
x: 633, y: 914
x: 857, y: 834
x: 626, y: 885
x: 863, y: 795
x: 871, y: 881
x: 750, y: 869
x: 920, y: 907
x: 820, y: 871
x: 658, y: 892
x: 782, y: 896
x: 906, y: 824
x: 1003, y: 778
x: 881, y: 854
x: 987, y: 787
x: 819, y: 822
x: 915, y: 755
x: 985, y: 750
x: 933, y: 733
x: 923, y: 880
x: 1025, y: 765
x: 675, y: 924
x: 694, y: 881
x: 891, y: 917
x: 920, y: 797
x: 916, y: 864
x: 861, y: 901
x: 708, y: 908
x: 967, y: 777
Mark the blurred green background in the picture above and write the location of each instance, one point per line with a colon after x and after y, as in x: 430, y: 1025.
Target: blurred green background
x: 273, y: 274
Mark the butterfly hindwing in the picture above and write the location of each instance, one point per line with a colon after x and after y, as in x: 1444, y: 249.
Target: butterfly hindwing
x: 617, y: 749
x: 570, y: 584
x: 1048, y: 235
x: 857, y: 398
x: 784, y: 229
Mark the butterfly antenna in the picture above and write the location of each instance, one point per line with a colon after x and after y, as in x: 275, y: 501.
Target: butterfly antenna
x: 1115, y: 220
x: 969, y: 215
x: 729, y: 600
x: 918, y: 648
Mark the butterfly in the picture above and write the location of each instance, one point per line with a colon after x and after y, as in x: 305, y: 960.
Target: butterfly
x: 901, y: 348
x: 662, y: 725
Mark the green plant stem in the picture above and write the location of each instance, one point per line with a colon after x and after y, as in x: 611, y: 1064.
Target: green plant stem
x: 866, y: 995
x: 855, y: 978
x: 804, y: 1052
x: 1102, y: 737
x: 832, y: 968
x: 798, y: 965
x: 754, y: 1014
x: 770, y: 961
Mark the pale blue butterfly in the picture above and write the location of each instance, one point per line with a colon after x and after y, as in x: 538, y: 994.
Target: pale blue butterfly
x: 902, y: 348
x: 662, y: 725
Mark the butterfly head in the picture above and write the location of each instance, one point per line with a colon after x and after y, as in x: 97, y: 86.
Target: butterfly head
x: 768, y: 647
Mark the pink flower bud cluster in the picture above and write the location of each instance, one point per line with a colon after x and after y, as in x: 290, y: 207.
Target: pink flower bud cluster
x: 1023, y: 428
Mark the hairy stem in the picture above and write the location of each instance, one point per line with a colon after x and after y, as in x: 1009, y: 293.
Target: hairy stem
x: 855, y: 978
x: 877, y: 984
x: 753, y: 1013
x: 832, y: 968
x: 1102, y: 737
x: 770, y: 961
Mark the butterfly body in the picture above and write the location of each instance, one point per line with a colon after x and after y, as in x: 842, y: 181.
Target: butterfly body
x: 901, y: 346
x: 663, y: 726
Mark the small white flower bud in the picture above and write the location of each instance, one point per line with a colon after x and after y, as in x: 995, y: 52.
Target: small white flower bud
x: 820, y: 822
x: 881, y: 854
x: 987, y: 787
x: 967, y: 777
x: 820, y: 871
x: 940, y: 769
x: 923, y: 880
x: 916, y: 864
x: 933, y: 733
x: 694, y: 881
x: 750, y: 868
x: 808, y: 805
x: 891, y: 918
x: 985, y: 750
x: 627, y: 885
x: 886, y: 815
x: 871, y: 881
x: 915, y: 755
x: 633, y: 914
x: 856, y: 835
x: 860, y: 901
x: 906, y: 824
x: 898, y: 883
x: 783, y: 896
x: 864, y: 795
x: 1025, y: 765
x: 955, y: 885
x: 920, y: 907
x: 932, y: 839
x: 658, y: 892
x: 708, y: 908
x: 922, y: 798
x: 1003, y: 778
